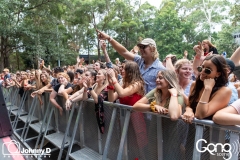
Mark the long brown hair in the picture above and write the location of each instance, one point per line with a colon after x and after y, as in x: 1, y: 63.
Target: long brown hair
x: 209, y: 43
x: 221, y: 81
x: 133, y: 75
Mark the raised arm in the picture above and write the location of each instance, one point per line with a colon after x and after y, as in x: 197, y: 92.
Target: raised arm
x: 104, y: 49
x: 122, y: 92
x: 117, y: 46
x: 174, y: 108
x: 169, y: 64
x: 206, y: 106
x: 236, y: 57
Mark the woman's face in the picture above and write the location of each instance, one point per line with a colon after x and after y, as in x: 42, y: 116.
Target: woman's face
x: 24, y: 76
x: 61, y: 79
x: 161, y: 82
x: 97, y: 66
x: 122, y: 70
x: 145, y: 51
x: 185, y: 71
x: 87, y: 74
x: 43, y: 78
x: 79, y: 80
x: 207, y: 64
x: 205, y: 45
x: 100, y: 76
x: 32, y: 76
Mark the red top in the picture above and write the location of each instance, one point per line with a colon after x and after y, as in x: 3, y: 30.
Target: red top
x: 130, y: 100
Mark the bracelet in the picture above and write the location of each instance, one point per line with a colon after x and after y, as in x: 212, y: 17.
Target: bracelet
x: 110, y: 87
x: 110, y: 39
x: 90, y: 88
x: 202, y: 102
x: 197, y: 57
x: 114, y: 83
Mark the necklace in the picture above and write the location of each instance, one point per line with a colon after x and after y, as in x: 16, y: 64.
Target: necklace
x: 163, y: 99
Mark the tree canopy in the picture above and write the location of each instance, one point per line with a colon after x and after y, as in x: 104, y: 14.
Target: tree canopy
x: 62, y: 29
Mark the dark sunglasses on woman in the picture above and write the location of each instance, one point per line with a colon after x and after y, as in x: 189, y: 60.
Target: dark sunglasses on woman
x: 206, y: 70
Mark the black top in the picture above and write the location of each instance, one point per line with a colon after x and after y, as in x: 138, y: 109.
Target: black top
x: 211, y: 49
x: 194, y: 106
x: 56, y: 88
x: 54, y: 82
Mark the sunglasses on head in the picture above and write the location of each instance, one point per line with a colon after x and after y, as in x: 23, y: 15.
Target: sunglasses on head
x: 143, y: 46
x: 206, y: 70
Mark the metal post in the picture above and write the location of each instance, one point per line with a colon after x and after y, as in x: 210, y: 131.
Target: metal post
x: 198, y: 135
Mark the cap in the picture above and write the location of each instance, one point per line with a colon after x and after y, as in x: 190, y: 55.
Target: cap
x: 6, y: 70
x: 230, y: 64
x: 117, y: 59
x: 79, y: 71
x: 147, y: 41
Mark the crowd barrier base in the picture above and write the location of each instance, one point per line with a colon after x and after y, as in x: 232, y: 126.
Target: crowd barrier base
x: 127, y: 134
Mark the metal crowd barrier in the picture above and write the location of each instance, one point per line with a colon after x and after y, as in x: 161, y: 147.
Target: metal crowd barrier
x: 128, y: 135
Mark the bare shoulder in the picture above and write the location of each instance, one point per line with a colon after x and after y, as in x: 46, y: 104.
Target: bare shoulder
x: 224, y: 91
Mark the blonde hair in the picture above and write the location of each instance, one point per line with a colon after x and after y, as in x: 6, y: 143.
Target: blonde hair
x: 171, y: 77
x: 155, y: 53
x: 180, y: 62
x: 65, y: 75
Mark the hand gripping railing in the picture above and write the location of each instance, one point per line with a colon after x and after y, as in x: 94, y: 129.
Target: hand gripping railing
x: 216, y: 133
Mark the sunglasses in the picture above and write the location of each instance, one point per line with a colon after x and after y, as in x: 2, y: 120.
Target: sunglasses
x: 143, y: 46
x: 206, y: 70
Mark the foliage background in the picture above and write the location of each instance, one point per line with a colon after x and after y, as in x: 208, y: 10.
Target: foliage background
x: 62, y: 29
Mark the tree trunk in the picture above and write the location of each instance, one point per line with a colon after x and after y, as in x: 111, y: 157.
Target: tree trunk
x: 2, y: 56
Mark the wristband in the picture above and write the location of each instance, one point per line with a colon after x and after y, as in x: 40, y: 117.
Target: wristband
x: 110, y: 87
x: 197, y: 57
x: 109, y: 39
x: 90, y: 88
x: 202, y: 102
x: 174, y: 95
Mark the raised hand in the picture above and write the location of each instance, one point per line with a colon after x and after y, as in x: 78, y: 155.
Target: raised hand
x: 173, y: 91
x: 78, y: 59
x: 65, y: 82
x: 111, y: 72
x: 102, y: 35
x: 103, y: 45
x: 209, y: 83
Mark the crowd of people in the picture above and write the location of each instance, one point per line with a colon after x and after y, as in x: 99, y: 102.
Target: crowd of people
x: 206, y: 87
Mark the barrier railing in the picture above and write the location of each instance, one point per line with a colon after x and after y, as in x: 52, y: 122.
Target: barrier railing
x: 128, y: 134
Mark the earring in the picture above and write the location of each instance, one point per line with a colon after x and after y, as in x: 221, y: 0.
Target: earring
x: 216, y: 78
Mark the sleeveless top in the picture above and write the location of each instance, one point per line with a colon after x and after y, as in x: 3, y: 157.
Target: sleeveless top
x: 194, y: 106
x: 130, y: 100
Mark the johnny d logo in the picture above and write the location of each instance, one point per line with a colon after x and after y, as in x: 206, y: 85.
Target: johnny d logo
x: 225, y: 149
x: 12, y: 148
